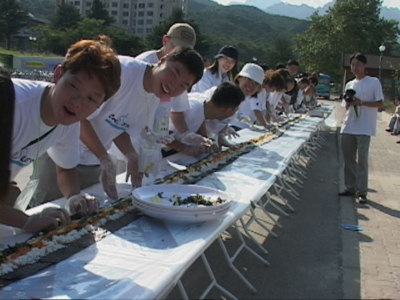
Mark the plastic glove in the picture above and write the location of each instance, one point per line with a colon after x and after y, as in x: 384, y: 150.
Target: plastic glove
x: 49, y: 217
x: 107, y: 176
x: 244, y: 119
x: 132, y: 170
x: 193, y: 139
x: 83, y: 204
x: 230, y: 132
x: 269, y: 126
x: 193, y: 151
x: 158, y: 137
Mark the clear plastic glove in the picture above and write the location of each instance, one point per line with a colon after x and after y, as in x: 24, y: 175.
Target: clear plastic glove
x: 269, y: 126
x: 244, y: 119
x: 230, y: 132
x: 132, y: 170
x: 82, y: 204
x: 49, y: 217
x: 158, y: 137
x: 107, y: 176
x: 194, y: 139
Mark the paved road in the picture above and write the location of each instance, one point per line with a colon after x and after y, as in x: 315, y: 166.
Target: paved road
x: 313, y: 257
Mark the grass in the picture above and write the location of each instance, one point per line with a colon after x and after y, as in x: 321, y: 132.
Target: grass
x: 388, y: 106
x: 24, y: 53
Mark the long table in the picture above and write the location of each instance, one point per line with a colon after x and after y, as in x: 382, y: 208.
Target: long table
x: 145, y: 259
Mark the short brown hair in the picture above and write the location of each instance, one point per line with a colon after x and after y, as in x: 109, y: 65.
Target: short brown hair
x: 313, y: 80
x: 98, y: 60
x: 275, y: 79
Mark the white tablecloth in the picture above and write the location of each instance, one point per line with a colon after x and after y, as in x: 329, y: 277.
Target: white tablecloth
x: 145, y: 259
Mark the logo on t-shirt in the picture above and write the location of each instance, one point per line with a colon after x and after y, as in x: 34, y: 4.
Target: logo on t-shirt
x: 118, y: 122
x: 19, y: 158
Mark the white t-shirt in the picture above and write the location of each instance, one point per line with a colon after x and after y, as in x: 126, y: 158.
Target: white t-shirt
x: 194, y: 117
x: 273, y: 99
x: 368, y: 89
x: 129, y: 110
x: 62, y: 144
x: 213, y: 126
x: 246, y: 108
x: 209, y: 80
x: 179, y: 103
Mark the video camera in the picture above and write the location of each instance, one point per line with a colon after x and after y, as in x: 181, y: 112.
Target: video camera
x: 349, y: 95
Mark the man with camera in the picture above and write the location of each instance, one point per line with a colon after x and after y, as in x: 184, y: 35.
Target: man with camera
x: 363, y: 97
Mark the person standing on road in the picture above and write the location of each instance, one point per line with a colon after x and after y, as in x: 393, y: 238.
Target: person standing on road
x: 358, y: 127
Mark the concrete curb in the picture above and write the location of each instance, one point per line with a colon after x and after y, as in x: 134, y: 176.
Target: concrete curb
x: 349, y: 239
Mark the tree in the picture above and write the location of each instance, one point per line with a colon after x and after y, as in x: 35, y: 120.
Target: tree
x: 281, y: 51
x: 66, y: 17
x: 99, y: 12
x: 12, y: 19
x: 349, y: 26
x: 154, y: 39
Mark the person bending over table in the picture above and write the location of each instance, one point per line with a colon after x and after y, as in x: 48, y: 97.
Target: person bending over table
x: 222, y: 104
x: 250, y: 80
x: 129, y: 112
x: 183, y: 35
x: 46, y: 119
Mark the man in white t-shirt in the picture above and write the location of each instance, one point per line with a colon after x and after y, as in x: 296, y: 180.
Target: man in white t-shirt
x: 179, y: 34
x: 358, y: 127
x: 223, y: 104
x: 46, y: 119
x: 133, y: 106
x: 131, y: 110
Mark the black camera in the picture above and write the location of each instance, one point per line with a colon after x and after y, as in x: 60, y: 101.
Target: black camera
x: 349, y: 95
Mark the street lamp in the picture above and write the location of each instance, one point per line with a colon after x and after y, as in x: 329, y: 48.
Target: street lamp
x: 382, y: 49
x: 32, y: 39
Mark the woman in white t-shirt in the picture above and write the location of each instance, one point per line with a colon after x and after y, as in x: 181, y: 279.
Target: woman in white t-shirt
x: 250, y: 80
x: 223, y: 69
x: 274, y: 85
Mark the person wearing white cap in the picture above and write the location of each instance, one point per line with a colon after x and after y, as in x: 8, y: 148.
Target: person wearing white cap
x: 223, y: 69
x: 179, y: 34
x: 250, y: 80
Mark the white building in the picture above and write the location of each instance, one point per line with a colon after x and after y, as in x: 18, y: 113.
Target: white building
x: 135, y: 16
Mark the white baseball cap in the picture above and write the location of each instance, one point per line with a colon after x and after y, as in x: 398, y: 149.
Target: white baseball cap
x: 182, y: 34
x: 252, y: 71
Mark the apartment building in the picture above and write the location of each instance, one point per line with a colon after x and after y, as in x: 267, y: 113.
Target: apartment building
x: 135, y: 16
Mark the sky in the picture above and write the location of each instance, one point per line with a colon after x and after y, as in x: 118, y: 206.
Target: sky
x: 317, y: 3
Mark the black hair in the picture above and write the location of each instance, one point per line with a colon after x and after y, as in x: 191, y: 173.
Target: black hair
x: 293, y: 62
x: 227, y: 94
x: 280, y: 66
x: 304, y: 80
x: 264, y: 67
x: 190, y: 58
x: 360, y: 57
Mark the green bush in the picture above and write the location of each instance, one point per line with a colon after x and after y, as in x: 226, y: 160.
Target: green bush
x: 7, y: 60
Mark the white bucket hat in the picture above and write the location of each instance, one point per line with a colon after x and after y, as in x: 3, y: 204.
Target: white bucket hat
x: 253, y: 71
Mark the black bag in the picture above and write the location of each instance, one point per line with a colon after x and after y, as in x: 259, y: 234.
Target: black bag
x: 7, y: 99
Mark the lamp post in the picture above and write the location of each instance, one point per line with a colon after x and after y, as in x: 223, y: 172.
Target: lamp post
x: 382, y: 49
x: 32, y: 39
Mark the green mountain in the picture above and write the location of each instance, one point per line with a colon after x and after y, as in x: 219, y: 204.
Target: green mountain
x: 253, y: 31
x: 243, y: 21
